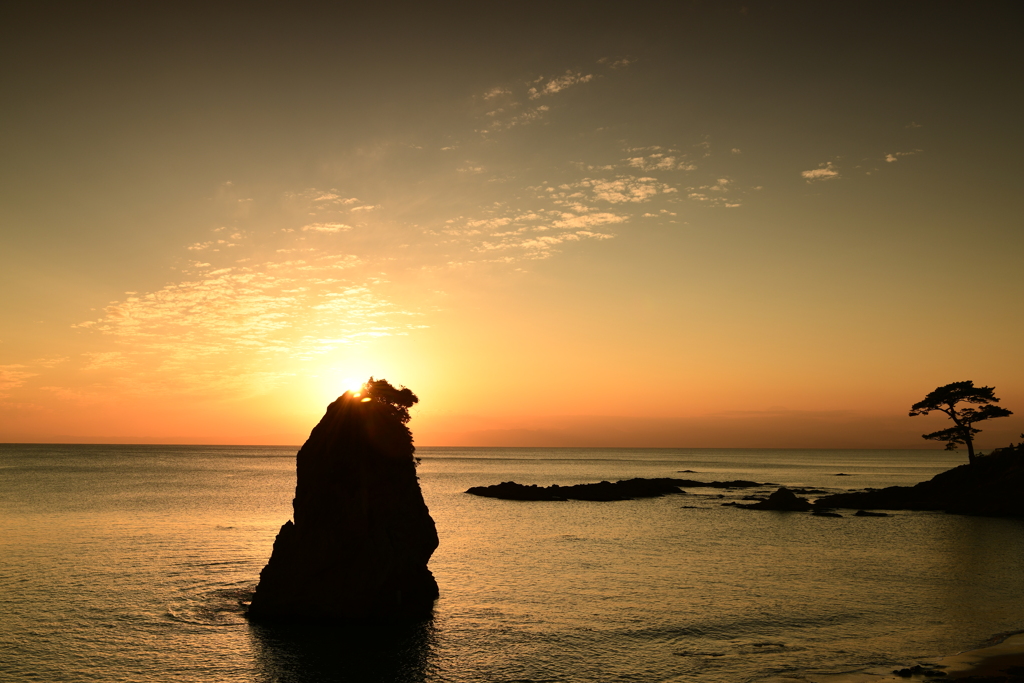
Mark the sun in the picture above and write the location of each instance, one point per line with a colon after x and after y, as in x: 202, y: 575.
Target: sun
x: 352, y: 384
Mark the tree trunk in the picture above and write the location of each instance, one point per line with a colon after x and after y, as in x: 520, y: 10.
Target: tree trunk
x: 970, y: 449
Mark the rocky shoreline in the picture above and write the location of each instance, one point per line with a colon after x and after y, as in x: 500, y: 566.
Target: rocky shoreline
x: 989, y: 487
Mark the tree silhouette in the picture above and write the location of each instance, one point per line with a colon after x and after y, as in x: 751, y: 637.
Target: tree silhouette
x: 397, y: 401
x: 945, y: 399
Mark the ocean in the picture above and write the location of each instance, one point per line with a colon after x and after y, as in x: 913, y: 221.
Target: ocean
x: 127, y: 563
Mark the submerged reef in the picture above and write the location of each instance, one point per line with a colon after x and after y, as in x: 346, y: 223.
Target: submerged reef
x: 626, y: 489
x: 362, y: 535
x: 991, y: 486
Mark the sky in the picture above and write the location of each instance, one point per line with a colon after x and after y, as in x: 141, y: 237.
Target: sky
x: 688, y: 224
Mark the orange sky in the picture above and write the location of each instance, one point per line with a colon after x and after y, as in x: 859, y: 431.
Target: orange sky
x: 724, y: 227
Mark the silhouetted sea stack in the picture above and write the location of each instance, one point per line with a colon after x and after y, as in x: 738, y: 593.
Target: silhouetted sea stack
x: 362, y: 536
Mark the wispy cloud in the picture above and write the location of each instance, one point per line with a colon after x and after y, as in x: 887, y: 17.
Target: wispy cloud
x: 306, y: 272
x: 539, y: 246
x: 618, y: 190
x: 506, y: 109
x: 503, y: 123
x: 620, y: 63
x: 214, y: 245
x: 588, y: 220
x: 895, y: 156
x: 12, y: 377
x: 660, y: 162
x: 720, y: 193
x: 496, y: 92
x: 326, y: 227
x: 556, y: 85
x: 322, y: 197
x: 227, y: 321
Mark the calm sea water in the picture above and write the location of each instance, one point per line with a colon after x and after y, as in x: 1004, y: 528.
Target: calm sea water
x: 126, y: 563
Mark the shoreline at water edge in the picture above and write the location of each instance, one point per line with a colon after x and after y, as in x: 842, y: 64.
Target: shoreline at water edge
x: 1001, y: 662
x: 991, y: 660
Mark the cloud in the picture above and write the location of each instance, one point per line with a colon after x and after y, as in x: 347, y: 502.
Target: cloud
x: 225, y: 321
x: 214, y: 245
x: 569, y: 220
x: 497, y: 91
x: 507, y: 112
x: 220, y: 329
x: 660, y: 162
x: 621, y: 63
x: 526, y: 235
x: 720, y: 193
x: 321, y: 198
x: 230, y: 324
x: 559, y: 84
x: 889, y: 158
x: 528, y: 116
x: 621, y: 189
x: 539, y: 246
x: 825, y: 171
x: 492, y: 222
x: 326, y: 227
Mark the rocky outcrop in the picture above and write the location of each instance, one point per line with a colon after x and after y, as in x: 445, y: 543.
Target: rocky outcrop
x: 602, y: 491
x: 626, y: 489
x: 782, y: 500
x: 362, y: 535
x: 991, y: 486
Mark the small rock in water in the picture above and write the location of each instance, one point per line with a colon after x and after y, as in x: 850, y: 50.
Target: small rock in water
x: 867, y: 513
x: 783, y: 500
x: 917, y: 670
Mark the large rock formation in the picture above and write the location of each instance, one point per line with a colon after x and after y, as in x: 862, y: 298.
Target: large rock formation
x: 991, y: 486
x: 362, y: 536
